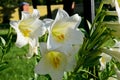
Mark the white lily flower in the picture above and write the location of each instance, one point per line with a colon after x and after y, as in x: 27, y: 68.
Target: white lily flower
x: 117, y: 44
x: 55, y: 62
x: 48, y: 22
x: 64, y: 30
x: 33, y: 49
x: 105, y: 58
x: 114, y: 52
x: 28, y: 28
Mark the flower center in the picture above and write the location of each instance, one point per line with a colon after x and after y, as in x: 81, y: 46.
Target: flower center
x: 25, y: 30
x: 58, y: 36
x: 55, y: 58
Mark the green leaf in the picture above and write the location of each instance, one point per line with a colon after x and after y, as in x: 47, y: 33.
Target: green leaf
x: 3, y: 66
x: 3, y: 41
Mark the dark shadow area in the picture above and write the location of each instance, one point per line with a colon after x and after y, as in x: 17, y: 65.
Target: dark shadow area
x: 53, y: 15
x: 7, y: 12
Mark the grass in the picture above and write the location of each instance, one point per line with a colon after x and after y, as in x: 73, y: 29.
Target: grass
x: 19, y: 67
x: 3, y: 31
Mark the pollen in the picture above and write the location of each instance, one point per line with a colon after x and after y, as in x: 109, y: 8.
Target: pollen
x: 60, y: 37
x: 25, y: 29
x: 56, y: 62
x: 26, y: 32
x: 55, y: 58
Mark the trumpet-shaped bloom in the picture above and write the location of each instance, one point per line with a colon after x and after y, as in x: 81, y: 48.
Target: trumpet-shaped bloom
x: 117, y: 43
x: 114, y: 52
x: 28, y: 29
x: 64, y: 30
x: 55, y: 62
x: 105, y: 58
x: 33, y: 48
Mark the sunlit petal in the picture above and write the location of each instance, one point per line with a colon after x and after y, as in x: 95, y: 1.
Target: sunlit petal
x: 117, y: 43
x: 114, y: 52
x: 28, y: 28
x: 55, y: 62
x: 21, y: 40
x: 25, y: 15
x: 105, y: 58
x: 64, y: 30
x: 61, y: 14
x: 48, y: 22
x: 36, y: 13
x: 33, y: 48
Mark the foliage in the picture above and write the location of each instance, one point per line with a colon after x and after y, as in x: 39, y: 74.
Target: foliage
x: 5, y: 48
x: 11, y: 3
x: 8, y: 7
x: 99, y: 38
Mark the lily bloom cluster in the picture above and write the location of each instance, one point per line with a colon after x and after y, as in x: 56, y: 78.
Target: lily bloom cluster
x: 66, y: 49
x: 63, y: 41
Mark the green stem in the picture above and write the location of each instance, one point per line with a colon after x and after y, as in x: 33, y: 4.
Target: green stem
x: 97, y: 15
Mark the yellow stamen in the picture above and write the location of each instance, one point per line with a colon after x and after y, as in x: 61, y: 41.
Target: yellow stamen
x: 58, y: 36
x: 24, y: 29
x: 26, y: 32
x: 55, y: 58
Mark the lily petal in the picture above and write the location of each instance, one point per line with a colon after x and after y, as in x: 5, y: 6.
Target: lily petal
x: 52, y: 63
x: 25, y: 15
x: 36, y: 13
x: 105, y: 58
x: 114, y: 52
x: 33, y: 48
x: 21, y: 40
x: 64, y: 31
x: 28, y: 28
x: 61, y: 14
x: 55, y: 62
